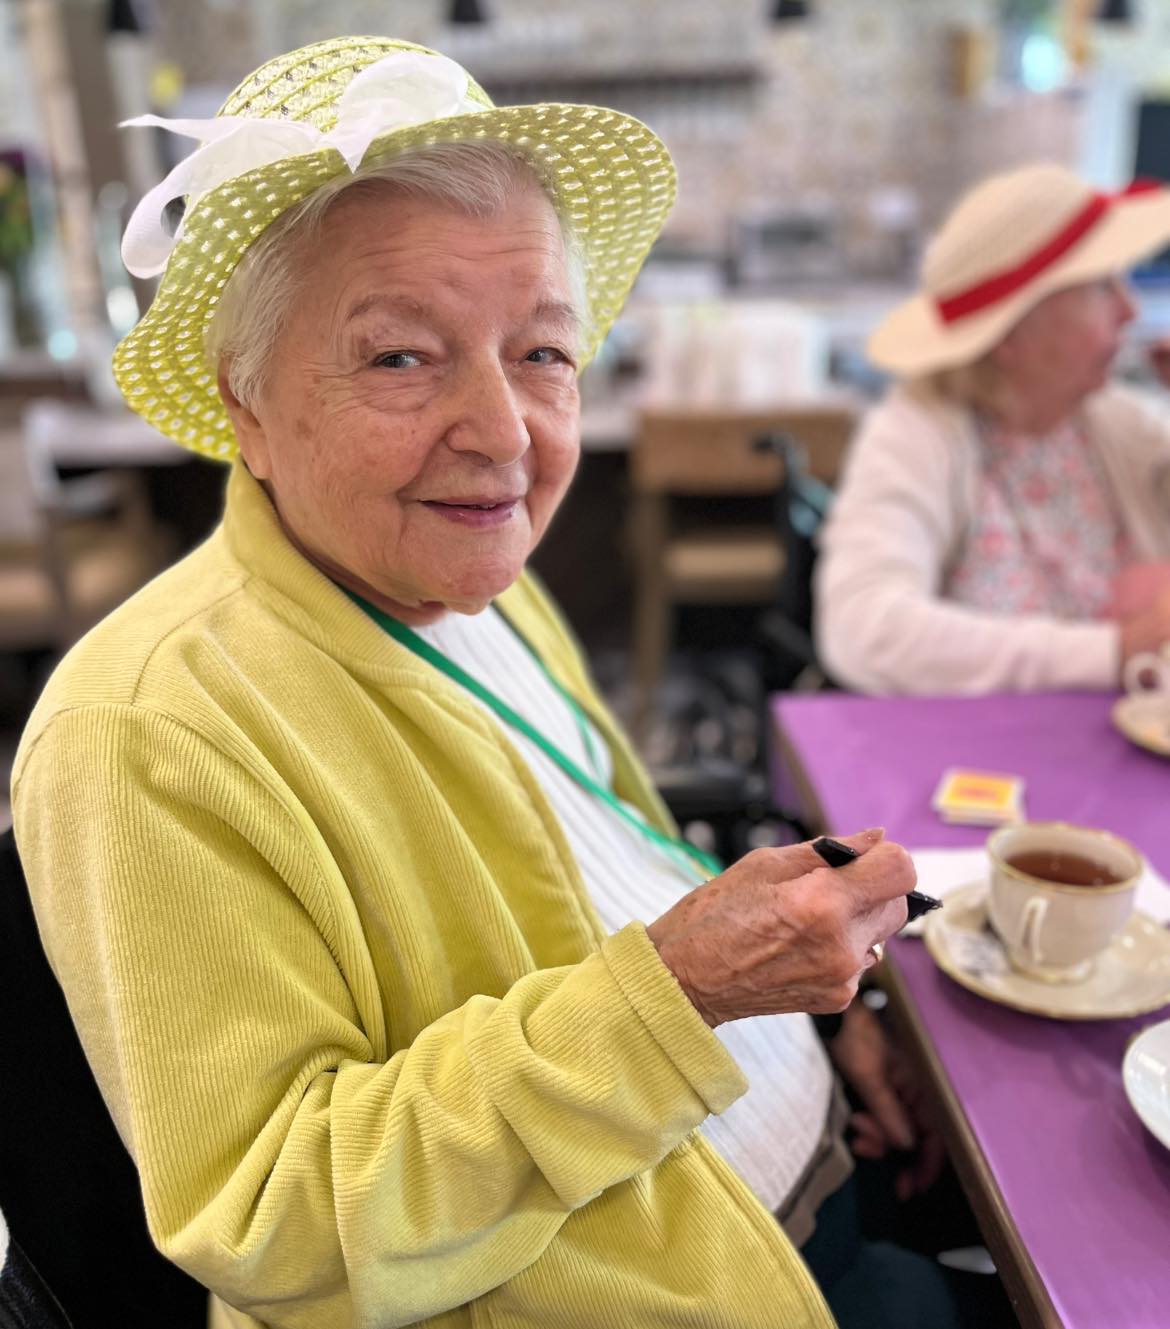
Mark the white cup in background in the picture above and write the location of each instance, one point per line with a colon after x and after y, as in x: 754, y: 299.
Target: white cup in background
x: 1054, y: 929
x: 1148, y: 671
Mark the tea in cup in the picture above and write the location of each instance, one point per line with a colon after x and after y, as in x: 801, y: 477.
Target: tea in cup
x: 1059, y: 895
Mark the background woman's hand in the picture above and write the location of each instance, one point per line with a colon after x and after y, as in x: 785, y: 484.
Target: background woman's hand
x: 1147, y: 630
x: 1137, y: 588
x: 780, y: 931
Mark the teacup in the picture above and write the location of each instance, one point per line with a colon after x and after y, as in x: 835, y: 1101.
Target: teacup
x: 1059, y: 895
x: 1148, y: 671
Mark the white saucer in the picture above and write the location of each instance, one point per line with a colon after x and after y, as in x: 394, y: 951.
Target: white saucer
x: 1144, y: 718
x: 1145, y: 1072
x: 1129, y: 978
x: 1146, y: 1075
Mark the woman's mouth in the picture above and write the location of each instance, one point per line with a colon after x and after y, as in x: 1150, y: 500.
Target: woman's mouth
x: 479, y: 515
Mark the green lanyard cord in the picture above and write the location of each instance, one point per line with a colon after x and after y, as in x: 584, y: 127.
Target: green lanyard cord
x: 584, y: 728
x: 679, y: 850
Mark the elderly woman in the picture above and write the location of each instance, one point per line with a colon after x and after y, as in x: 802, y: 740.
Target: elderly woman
x: 1004, y: 518
x: 335, y: 850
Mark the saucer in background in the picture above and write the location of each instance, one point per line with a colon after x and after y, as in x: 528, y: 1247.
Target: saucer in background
x: 1145, y: 1072
x: 1144, y: 718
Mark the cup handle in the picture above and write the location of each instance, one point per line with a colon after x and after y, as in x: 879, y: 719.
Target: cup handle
x: 1138, y: 667
x: 1033, y: 919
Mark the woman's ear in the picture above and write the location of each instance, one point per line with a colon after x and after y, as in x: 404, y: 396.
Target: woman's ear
x: 249, y: 431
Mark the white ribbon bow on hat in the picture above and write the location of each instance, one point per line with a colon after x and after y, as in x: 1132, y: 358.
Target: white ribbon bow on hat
x: 404, y: 88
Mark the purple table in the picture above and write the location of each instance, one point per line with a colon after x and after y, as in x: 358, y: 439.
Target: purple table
x: 1072, y: 1192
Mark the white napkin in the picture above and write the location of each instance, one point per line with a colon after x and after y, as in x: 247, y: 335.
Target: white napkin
x: 943, y: 870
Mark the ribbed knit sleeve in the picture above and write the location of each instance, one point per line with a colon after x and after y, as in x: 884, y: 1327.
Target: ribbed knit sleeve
x: 292, y: 1158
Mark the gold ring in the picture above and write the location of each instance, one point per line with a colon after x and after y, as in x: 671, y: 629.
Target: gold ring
x: 877, y: 950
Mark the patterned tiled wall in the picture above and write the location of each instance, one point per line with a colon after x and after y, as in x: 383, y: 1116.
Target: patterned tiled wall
x: 856, y: 99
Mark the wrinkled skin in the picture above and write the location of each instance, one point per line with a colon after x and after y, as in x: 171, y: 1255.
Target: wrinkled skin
x: 780, y: 931
x: 427, y: 368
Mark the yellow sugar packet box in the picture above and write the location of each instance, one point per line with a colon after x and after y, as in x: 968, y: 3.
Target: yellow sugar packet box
x: 979, y: 798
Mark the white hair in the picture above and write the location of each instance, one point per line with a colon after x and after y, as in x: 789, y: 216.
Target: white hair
x: 478, y: 177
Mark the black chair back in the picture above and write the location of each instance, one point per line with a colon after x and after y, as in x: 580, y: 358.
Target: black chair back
x: 68, y: 1188
x: 25, y: 1301
x: 802, y: 503
x: 801, y: 507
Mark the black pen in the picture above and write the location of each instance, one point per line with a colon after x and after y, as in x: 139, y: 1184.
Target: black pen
x: 837, y: 855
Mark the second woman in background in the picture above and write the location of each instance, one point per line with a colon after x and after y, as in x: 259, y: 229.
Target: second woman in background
x: 1004, y: 520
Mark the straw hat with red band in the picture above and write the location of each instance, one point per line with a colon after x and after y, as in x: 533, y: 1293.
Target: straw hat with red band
x: 1011, y: 241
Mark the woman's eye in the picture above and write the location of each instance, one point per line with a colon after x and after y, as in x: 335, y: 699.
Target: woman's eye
x: 546, y: 355
x: 397, y: 360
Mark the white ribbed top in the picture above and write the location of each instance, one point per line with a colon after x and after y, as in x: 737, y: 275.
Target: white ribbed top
x: 770, y: 1133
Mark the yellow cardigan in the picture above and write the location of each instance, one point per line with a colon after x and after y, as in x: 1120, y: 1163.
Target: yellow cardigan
x: 338, y: 977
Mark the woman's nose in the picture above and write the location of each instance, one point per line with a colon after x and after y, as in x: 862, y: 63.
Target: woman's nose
x: 490, y: 417
x: 1126, y: 304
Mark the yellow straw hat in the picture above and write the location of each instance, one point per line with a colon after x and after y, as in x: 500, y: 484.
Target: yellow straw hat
x: 305, y: 117
x: 1012, y: 240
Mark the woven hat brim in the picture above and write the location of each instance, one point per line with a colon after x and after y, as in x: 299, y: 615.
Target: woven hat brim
x: 612, y: 177
x: 914, y: 340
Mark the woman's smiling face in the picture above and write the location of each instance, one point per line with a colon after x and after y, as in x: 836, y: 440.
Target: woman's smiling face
x: 419, y: 419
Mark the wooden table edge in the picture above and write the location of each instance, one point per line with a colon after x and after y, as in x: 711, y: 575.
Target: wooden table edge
x: 1025, y: 1287
x: 810, y: 810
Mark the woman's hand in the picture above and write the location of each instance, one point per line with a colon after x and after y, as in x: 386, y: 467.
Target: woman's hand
x: 1147, y: 630
x: 895, y: 1112
x: 780, y: 931
x: 1138, y: 587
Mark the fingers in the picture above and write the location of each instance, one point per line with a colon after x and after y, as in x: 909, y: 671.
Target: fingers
x: 877, y: 926
x: 884, y: 1106
x: 890, y: 872
x: 924, y: 1171
x: 889, y: 917
x: 884, y: 872
x: 868, y: 1140
x: 797, y: 860
x: 886, y: 869
x: 862, y: 841
x: 780, y: 930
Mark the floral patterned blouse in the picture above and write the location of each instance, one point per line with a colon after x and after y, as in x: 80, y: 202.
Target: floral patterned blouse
x: 1045, y: 536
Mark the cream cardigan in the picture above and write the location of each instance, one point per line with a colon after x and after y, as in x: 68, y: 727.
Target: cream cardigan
x: 335, y: 969
x: 899, y: 520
